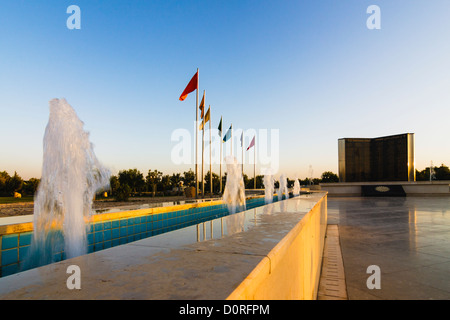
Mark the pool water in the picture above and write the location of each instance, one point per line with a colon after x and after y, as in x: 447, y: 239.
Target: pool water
x: 113, y: 232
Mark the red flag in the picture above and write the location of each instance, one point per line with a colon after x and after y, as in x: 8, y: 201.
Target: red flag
x: 251, y: 143
x: 192, y: 85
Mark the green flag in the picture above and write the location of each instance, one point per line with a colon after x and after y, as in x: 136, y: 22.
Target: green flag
x: 220, y: 127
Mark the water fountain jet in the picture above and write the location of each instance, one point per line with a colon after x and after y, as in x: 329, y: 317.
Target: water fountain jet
x: 296, y: 189
x: 268, y: 188
x: 283, y: 188
x: 234, y: 193
x: 71, y: 174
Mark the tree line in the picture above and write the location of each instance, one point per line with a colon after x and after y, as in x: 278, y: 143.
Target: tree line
x: 11, y: 184
x: 155, y: 183
x: 437, y: 173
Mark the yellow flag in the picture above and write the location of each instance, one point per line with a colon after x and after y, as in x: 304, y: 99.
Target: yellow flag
x: 206, y: 119
x: 207, y: 116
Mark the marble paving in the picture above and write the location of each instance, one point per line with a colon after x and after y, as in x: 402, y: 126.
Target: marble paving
x: 407, y: 238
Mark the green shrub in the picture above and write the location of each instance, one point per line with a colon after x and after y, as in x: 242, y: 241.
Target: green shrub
x: 123, y: 192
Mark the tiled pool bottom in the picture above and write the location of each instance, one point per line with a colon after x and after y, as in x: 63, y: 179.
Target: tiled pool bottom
x: 114, y: 232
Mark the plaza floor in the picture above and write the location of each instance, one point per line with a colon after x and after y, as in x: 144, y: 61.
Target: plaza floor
x: 407, y: 238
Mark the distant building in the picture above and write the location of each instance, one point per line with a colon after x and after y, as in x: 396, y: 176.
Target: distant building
x: 388, y: 158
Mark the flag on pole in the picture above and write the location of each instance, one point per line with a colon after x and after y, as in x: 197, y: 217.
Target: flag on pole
x: 227, y: 135
x: 220, y: 127
x: 220, y: 135
x: 208, y: 115
x: 206, y: 119
x: 192, y: 86
x: 202, y: 106
x: 242, y: 146
x: 251, y: 143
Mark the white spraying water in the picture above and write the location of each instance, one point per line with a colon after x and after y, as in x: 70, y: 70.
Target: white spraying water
x: 283, y: 188
x: 234, y: 193
x: 268, y: 188
x: 310, y: 172
x: 296, y: 190
x: 71, y: 174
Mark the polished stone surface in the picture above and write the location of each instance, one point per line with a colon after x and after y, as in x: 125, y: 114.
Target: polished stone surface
x: 408, y: 238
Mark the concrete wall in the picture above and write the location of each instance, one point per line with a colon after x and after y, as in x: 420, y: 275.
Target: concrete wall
x: 291, y: 270
x: 416, y: 188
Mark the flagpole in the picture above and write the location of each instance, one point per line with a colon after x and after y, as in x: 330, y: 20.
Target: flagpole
x: 231, y: 139
x: 254, y: 165
x: 196, y: 139
x: 220, y: 161
x: 203, y: 158
x: 210, y: 155
x: 242, y: 145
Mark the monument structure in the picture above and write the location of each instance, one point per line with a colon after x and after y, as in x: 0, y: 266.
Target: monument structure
x: 382, y: 159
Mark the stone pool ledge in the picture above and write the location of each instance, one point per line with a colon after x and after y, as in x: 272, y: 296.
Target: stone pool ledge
x: 269, y: 252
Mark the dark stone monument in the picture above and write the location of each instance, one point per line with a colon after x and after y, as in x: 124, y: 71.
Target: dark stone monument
x: 389, y: 158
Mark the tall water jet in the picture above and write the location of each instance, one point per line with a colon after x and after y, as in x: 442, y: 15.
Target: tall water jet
x: 268, y: 188
x: 283, y: 188
x: 310, y: 172
x: 234, y: 193
x: 71, y: 174
x: 296, y: 189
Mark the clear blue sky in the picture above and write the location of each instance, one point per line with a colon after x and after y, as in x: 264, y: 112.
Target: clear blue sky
x: 311, y: 69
